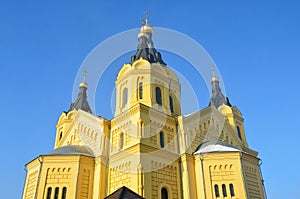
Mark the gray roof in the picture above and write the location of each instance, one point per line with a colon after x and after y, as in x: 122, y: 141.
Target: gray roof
x: 124, y: 193
x: 217, y: 97
x: 146, y: 49
x: 72, y: 150
x: 81, y: 101
x: 214, y: 146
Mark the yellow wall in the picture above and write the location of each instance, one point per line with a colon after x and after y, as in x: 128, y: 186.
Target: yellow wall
x: 128, y: 152
x: 60, y: 171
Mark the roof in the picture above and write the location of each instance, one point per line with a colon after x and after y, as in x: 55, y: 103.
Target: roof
x: 217, y: 98
x: 213, y: 146
x: 124, y: 193
x: 72, y: 150
x: 81, y: 101
x: 145, y: 47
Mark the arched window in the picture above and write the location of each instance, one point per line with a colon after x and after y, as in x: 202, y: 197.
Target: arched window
x: 158, y: 96
x: 60, y: 135
x: 121, y: 141
x: 217, y: 193
x: 56, y: 193
x: 162, y: 139
x: 125, y: 97
x: 64, y: 193
x: 171, y: 104
x: 239, y: 132
x: 231, y: 188
x: 164, y: 193
x: 141, y: 90
x: 49, y: 192
x: 224, y: 190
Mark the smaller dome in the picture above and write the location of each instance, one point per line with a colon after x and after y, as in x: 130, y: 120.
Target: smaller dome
x: 72, y: 150
x: 214, y: 146
x: 214, y: 79
x: 146, y: 28
x: 83, y: 84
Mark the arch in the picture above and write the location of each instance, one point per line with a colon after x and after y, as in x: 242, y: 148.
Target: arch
x: 205, y: 126
x: 49, y: 190
x: 60, y: 135
x: 239, y: 132
x: 124, y: 97
x: 92, y: 133
x: 56, y: 193
x: 231, y: 189
x: 158, y: 96
x: 64, y: 193
x: 121, y: 141
x: 224, y: 190
x: 216, y: 188
x: 171, y: 104
x: 162, y: 139
x: 141, y: 90
x: 164, y: 193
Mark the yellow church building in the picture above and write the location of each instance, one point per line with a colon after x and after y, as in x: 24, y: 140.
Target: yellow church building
x: 149, y: 149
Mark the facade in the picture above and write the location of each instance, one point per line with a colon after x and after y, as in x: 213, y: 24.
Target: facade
x: 149, y: 148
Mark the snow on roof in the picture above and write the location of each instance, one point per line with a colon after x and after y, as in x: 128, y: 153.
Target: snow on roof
x: 213, y: 146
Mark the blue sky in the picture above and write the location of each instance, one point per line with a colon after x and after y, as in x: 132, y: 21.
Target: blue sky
x: 255, y: 45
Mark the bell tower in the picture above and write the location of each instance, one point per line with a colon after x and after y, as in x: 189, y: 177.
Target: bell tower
x: 144, y: 147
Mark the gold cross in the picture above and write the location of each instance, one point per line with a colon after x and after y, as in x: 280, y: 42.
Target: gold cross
x: 146, y: 16
x: 213, y: 69
x: 84, y: 75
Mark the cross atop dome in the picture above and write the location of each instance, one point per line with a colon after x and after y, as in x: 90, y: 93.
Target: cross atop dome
x: 145, y: 47
x: 81, y: 101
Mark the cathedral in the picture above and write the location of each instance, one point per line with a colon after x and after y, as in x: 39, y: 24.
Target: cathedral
x: 148, y: 149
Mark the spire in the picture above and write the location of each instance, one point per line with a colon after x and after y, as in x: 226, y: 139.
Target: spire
x: 217, y: 97
x: 81, y: 101
x: 145, y: 47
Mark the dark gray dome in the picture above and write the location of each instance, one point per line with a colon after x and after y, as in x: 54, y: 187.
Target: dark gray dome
x: 72, y: 150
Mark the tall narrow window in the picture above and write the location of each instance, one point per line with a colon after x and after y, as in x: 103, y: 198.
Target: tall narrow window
x: 239, y: 132
x: 121, y: 141
x: 141, y: 90
x: 162, y: 139
x: 217, y: 193
x: 231, y: 188
x: 171, y: 104
x: 158, y: 96
x: 164, y: 193
x: 60, y: 135
x: 56, y: 193
x: 49, y: 192
x: 125, y: 97
x: 64, y: 193
x: 224, y: 190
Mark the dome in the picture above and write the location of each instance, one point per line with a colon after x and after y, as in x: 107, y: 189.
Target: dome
x: 72, y: 150
x: 213, y: 146
x: 214, y: 79
x: 83, y: 84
